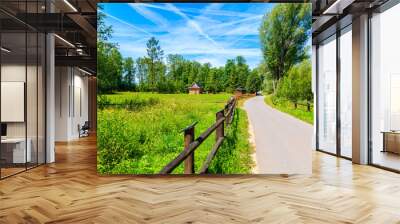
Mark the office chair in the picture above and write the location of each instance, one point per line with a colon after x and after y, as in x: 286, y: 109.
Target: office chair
x: 84, y: 130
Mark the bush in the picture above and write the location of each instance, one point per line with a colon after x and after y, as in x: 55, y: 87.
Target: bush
x: 253, y: 83
x: 102, y: 101
x: 296, y: 85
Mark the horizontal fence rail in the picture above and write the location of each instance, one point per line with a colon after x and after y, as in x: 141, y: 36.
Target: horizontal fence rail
x: 224, y: 118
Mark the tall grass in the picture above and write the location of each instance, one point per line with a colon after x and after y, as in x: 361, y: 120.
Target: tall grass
x: 288, y: 107
x: 145, y: 139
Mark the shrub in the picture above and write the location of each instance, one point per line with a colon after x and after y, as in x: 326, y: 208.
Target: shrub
x: 296, y: 85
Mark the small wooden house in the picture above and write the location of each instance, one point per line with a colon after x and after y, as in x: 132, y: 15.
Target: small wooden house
x: 195, y: 89
x: 239, y: 92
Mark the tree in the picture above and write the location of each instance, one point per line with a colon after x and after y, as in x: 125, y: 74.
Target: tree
x: 103, y: 31
x: 231, y: 75
x: 220, y: 79
x: 289, y: 88
x: 284, y: 33
x: 305, y: 85
x: 110, y: 67
x: 129, y: 77
x: 175, y: 75
x: 253, y: 83
x: 194, y: 69
x: 242, y: 72
x: 203, y: 74
x: 155, y: 55
x: 268, y: 84
x: 296, y: 86
x: 162, y: 84
x: 109, y: 59
x: 115, y: 69
x: 141, y: 73
x: 211, y: 83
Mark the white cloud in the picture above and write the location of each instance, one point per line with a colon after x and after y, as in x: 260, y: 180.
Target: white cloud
x: 126, y: 23
x: 191, y: 23
x: 211, y: 11
x: 149, y: 14
x: 211, y: 34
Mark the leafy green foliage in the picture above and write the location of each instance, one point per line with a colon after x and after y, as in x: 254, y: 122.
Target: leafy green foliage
x: 296, y: 86
x: 113, y: 71
x: 154, y: 64
x: 301, y: 112
x: 289, y: 87
x: 109, y: 67
x: 103, y: 31
x: 254, y: 82
x: 128, y: 81
x: 284, y: 33
x: 144, y: 140
x: 304, y: 70
x: 151, y: 74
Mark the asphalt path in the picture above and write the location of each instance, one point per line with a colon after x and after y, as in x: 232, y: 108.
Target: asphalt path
x: 283, y: 143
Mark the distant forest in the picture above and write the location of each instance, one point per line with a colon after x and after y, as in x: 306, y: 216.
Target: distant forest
x: 156, y: 72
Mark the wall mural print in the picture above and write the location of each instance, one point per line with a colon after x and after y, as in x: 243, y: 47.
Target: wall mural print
x: 203, y: 88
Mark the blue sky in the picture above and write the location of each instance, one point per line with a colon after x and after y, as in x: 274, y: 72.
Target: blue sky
x: 203, y: 32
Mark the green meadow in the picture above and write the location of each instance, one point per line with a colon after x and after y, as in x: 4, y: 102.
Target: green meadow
x: 288, y: 107
x: 140, y: 133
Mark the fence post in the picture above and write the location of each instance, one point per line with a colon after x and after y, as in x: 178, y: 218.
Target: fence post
x: 226, y: 110
x: 220, y: 129
x: 189, y: 161
x: 234, y: 109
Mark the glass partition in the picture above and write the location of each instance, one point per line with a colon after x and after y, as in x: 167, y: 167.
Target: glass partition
x: 13, y: 114
x: 327, y: 95
x: 346, y: 92
x: 385, y: 89
x: 22, y: 77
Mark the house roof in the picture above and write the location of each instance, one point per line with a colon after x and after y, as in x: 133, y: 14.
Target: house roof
x: 195, y: 86
x: 239, y: 89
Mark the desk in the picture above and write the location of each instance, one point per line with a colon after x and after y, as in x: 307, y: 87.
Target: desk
x: 391, y: 141
x: 13, y: 150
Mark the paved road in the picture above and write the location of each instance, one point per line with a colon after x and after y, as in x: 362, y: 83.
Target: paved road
x: 283, y: 143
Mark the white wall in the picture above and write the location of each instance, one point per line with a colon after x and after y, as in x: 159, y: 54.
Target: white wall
x: 62, y: 82
x: 80, y: 94
x: 14, y: 72
x: 71, y: 87
x: 17, y: 73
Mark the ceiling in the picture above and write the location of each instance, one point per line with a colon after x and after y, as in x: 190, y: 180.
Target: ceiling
x: 73, y: 21
x: 330, y: 15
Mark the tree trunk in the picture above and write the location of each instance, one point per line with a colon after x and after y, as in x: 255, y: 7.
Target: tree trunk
x: 274, y: 85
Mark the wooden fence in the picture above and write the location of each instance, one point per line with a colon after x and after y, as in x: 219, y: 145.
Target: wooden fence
x: 224, y: 118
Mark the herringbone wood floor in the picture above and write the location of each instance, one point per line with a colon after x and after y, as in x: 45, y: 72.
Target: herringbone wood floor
x: 70, y: 191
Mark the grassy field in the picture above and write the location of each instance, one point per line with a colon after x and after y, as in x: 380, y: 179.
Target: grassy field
x: 287, y: 107
x: 145, y: 134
